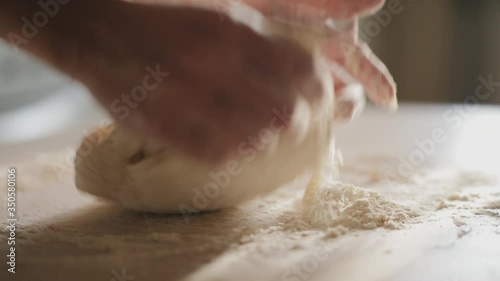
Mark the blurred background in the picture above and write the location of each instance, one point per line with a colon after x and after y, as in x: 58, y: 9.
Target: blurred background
x: 436, y: 50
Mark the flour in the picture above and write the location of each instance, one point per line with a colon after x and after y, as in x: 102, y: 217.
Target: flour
x: 462, y: 197
x: 333, y: 210
x: 305, y: 231
x: 336, y: 204
x: 479, y: 198
x: 494, y: 205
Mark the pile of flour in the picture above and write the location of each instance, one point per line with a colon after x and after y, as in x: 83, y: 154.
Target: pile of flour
x: 339, y: 204
x: 303, y: 230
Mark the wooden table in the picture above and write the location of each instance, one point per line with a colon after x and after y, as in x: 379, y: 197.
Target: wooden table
x: 65, y: 235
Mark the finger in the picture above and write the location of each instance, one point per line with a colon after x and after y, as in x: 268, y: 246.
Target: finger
x: 349, y: 94
x: 359, y: 61
x: 317, y: 9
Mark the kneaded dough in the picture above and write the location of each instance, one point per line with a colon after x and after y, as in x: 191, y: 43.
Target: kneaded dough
x: 146, y: 176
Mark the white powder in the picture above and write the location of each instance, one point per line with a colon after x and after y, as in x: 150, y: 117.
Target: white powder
x: 338, y: 204
x: 304, y: 229
x: 462, y: 197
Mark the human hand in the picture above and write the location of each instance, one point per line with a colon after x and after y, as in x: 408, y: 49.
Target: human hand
x: 220, y: 81
x: 355, y: 69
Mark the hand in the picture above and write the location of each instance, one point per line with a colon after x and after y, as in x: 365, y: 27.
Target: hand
x: 220, y: 81
x: 354, y: 67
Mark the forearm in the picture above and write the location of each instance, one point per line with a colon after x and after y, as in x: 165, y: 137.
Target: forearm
x: 49, y: 29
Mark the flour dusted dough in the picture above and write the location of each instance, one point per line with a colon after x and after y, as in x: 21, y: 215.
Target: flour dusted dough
x: 145, y: 176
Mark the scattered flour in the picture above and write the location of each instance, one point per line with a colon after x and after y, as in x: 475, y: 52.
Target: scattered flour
x: 272, y: 234
x: 462, y: 197
x: 477, y: 198
x: 463, y: 227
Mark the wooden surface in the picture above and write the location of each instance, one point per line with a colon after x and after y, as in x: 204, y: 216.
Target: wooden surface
x: 65, y: 235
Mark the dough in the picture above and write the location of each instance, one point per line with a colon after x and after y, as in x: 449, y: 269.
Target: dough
x: 146, y: 176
